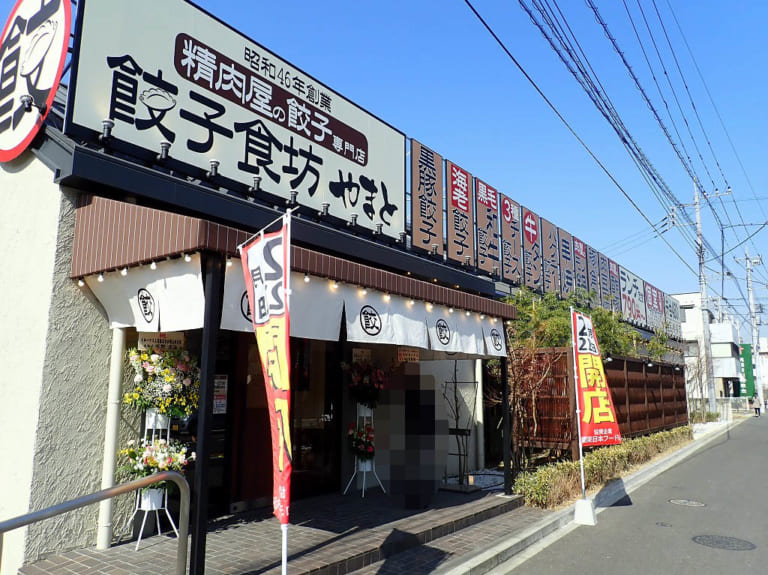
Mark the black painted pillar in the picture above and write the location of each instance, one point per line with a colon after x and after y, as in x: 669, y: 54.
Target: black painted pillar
x: 505, y: 432
x: 214, y: 265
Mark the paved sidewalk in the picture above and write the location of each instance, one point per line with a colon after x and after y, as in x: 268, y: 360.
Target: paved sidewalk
x: 498, y: 557
x: 332, y: 535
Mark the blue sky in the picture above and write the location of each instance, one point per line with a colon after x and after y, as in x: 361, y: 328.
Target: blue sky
x: 433, y: 71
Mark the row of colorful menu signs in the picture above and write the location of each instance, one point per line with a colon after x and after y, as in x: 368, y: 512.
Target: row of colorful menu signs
x: 516, y: 245
x: 194, y: 92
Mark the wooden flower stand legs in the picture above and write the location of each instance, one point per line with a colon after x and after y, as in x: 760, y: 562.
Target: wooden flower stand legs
x: 364, y: 465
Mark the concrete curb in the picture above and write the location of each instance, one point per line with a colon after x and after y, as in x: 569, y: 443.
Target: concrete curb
x: 484, y: 560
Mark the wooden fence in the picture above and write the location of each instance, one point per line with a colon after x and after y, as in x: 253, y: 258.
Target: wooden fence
x: 647, y: 399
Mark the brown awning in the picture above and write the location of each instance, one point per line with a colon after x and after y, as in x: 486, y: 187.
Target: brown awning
x: 111, y: 235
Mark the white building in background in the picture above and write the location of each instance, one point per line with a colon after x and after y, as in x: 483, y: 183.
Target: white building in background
x: 762, y: 365
x: 726, y: 358
x: 723, y: 345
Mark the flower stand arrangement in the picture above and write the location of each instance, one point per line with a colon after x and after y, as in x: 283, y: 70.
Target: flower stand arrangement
x: 360, y: 438
x: 141, y: 459
x: 366, y: 382
x: 362, y: 445
x: 166, y: 385
x: 166, y: 381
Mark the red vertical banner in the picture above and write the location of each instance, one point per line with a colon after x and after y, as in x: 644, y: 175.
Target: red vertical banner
x: 461, y: 220
x: 597, y: 420
x: 266, y: 265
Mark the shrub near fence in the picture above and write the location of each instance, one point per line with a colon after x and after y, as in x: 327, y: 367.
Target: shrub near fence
x: 557, y: 483
x: 647, y: 399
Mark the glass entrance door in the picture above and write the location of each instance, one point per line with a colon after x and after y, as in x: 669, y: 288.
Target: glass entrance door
x: 315, y: 432
x: 315, y: 407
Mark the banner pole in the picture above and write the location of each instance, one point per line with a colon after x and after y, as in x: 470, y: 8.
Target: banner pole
x: 578, y: 407
x: 284, y: 529
x: 287, y: 218
x: 261, y: 231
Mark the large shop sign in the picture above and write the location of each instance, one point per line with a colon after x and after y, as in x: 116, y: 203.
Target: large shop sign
x: 632, y: 297
x: 171, y: 77
x: 672, y: 317
x: 32, y: 54
x: 427, y: 198
x: 532, y: 250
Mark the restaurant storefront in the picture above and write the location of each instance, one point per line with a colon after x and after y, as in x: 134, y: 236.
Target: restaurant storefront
x: 131, y: 202
x: 112, y: 247
x: 340, y: 309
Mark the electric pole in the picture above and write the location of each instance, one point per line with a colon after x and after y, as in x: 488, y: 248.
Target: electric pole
x: 705, y: 336
x: 753, y: 318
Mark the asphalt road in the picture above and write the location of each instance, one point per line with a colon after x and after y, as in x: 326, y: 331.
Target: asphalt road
x: 707, y: 515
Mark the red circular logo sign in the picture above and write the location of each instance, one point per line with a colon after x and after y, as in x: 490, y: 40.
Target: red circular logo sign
x: 508, y: 210
x: 33, y: 49
x: 530, y: 227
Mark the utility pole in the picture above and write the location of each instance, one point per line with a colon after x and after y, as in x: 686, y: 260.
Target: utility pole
x: 705, y: 350
x: 753, y: 318
x: 705, y: 336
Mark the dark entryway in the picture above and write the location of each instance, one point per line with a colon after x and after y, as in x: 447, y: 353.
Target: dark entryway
x: 315, y: 412
x: 315, y: 403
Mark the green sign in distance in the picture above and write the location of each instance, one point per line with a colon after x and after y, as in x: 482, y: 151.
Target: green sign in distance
x: 746, y: 362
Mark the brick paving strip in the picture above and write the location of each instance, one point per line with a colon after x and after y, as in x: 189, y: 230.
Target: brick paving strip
x: 329, y: 535
x: 430, y: 557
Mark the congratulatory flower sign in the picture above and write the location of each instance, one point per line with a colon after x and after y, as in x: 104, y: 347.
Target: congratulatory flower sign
x: 141, y: 459
x: 166, y: 380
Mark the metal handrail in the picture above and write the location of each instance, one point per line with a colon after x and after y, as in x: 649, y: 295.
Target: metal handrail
x: 177, y: 478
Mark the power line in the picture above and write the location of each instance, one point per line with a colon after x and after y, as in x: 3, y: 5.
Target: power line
x: 596, y: 94
x: 605, y: 107
x: 752, y: 235
x: 741, y: 201
x: 720, y: 119
x: 671, y: 87
x: 648, y: 172
x: 679, y: 106
x: 687, y: 91
x: 712, y: 101
x: 633, y: 238
x: 570, y: 129
x: 651, y: 175
x: 569, y: 55
x: 686, y: 164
